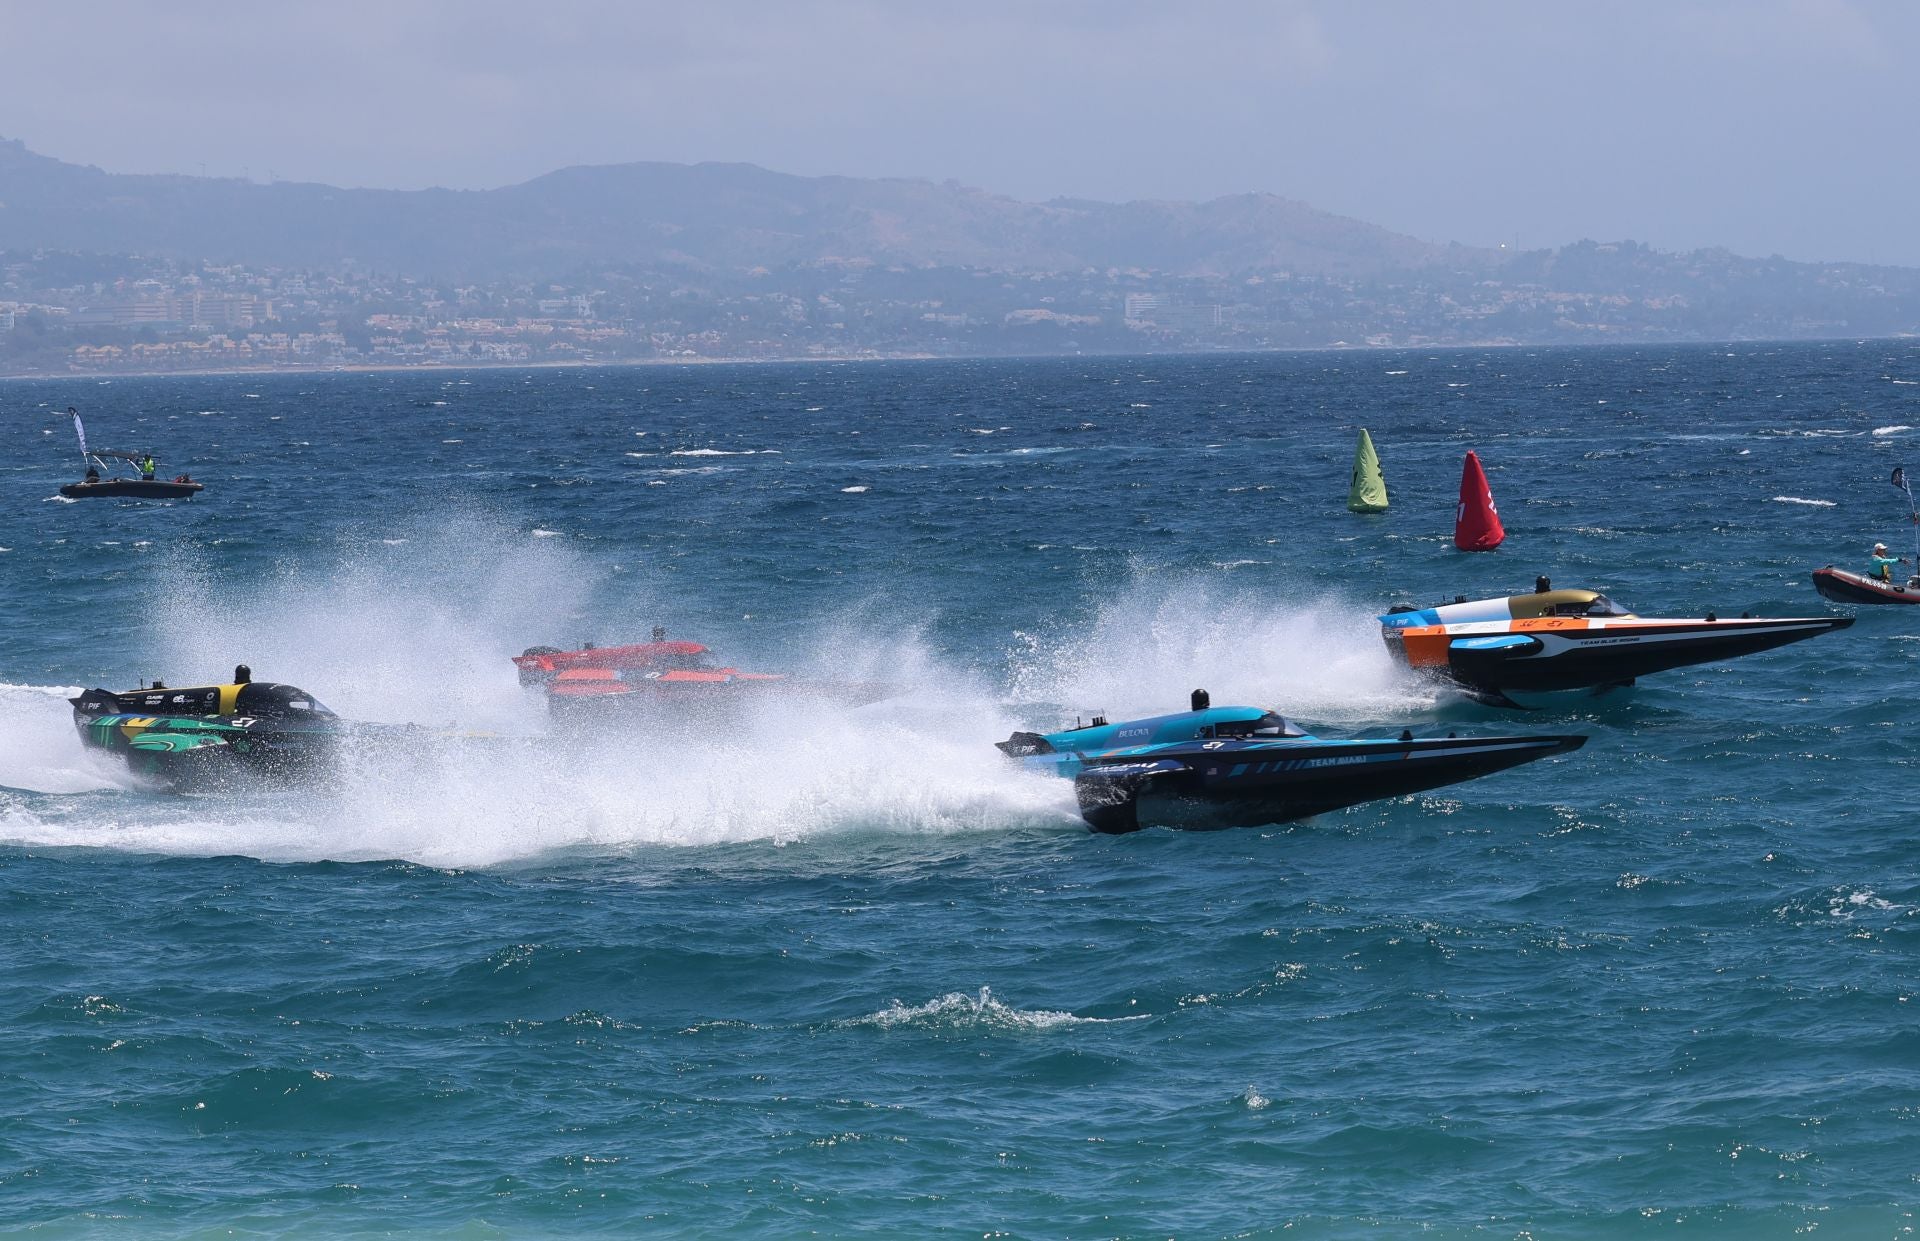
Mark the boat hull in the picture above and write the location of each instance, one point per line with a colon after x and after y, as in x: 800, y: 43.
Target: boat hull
x: 199, y: 754
x: 132, y: 489
x: 1844, y: 587
x: 1195, y: 788
x: 1555, y: 642
x: 1553, y: 661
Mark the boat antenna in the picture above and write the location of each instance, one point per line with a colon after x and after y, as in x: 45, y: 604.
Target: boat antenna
x: 1900, y: 481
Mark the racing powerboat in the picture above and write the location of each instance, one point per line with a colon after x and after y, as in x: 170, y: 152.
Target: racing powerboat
x: 1844, y: 587
x: 1513, y: 650
x: 209, y: 734
x: 584, y: 683
x: 1217, y: 767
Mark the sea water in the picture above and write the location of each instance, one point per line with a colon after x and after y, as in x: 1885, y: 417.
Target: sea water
x: 829, y: 970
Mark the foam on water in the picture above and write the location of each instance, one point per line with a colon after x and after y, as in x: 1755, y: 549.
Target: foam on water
x: 417, y: 628
x: 423, y: 637
x: 972, y: 1014
x: 42, y: 753
x: 1167, y: 633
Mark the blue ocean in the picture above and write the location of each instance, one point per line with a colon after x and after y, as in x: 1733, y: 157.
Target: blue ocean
x: 843, y: 970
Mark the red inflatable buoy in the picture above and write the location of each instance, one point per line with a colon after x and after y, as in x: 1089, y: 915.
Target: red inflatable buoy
x: 1476, y: 526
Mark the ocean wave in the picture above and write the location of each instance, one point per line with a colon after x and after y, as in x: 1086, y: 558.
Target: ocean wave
x: 723, y: 452
x: 981, y: 1013
x: 1803, y: 500
x: 1895, y: 429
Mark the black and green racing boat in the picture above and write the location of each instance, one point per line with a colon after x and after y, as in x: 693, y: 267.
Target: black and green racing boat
x: 214, y: 734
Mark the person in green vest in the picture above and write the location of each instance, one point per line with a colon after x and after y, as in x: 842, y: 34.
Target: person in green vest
x: 1883, y: 563
x: 147, y: 466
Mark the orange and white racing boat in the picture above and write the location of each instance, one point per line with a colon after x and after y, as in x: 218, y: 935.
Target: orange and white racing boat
x: 1516, y: 650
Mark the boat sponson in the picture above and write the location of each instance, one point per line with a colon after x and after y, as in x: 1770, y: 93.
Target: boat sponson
x: 1570, y: 658
x: 1200, y: 789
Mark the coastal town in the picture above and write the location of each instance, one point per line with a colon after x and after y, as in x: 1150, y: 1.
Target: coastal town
x: 69, y: 313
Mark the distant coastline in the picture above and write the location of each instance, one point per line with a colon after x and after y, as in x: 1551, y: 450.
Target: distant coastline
x: 819, y: 359
x: 649, y: 264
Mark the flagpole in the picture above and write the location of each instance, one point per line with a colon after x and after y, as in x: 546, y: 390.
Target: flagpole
x: 1900, y: 480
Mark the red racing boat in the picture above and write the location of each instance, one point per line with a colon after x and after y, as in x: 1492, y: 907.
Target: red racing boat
x: 660, y: 673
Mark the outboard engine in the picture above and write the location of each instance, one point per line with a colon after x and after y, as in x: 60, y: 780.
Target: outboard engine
x: 1021, y: 745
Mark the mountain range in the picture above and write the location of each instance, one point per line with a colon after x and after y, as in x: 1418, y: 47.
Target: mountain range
x: 713, y: 216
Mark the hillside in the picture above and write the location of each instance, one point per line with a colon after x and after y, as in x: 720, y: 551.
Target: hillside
x: 720, y: 217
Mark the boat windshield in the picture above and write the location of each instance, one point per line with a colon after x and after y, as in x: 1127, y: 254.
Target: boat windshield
x: 279, y: 702
x: 1268, y: 725
x: 1599, y: 605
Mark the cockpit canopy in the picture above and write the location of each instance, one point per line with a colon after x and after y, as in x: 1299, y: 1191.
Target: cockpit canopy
x: 1599, y: 605
x: 269, y: 701
x: 1554, y: 603
x: 264, y: 700
x: 1268, y: 725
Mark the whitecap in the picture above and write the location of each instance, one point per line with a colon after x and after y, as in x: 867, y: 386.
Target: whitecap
x: 545, y: 534
x: 982, y: 1012
x: 1800, y: 500
x: 850, y: 491
x: 722, y: 452
x: 1892, y: 430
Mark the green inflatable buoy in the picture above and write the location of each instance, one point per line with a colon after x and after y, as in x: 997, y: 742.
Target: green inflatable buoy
x: 1369, y: 491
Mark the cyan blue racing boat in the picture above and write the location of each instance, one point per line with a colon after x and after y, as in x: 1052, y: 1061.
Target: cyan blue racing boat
x: 1216, y: 767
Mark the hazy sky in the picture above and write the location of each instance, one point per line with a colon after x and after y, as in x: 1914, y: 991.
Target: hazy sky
x: 1769, y: 126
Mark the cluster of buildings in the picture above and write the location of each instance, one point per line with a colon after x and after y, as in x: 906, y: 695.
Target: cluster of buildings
x: 66, y: 313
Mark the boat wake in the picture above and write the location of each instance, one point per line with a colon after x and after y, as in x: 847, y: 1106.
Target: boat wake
x: 1162, y: 636
x: 420, y: 633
